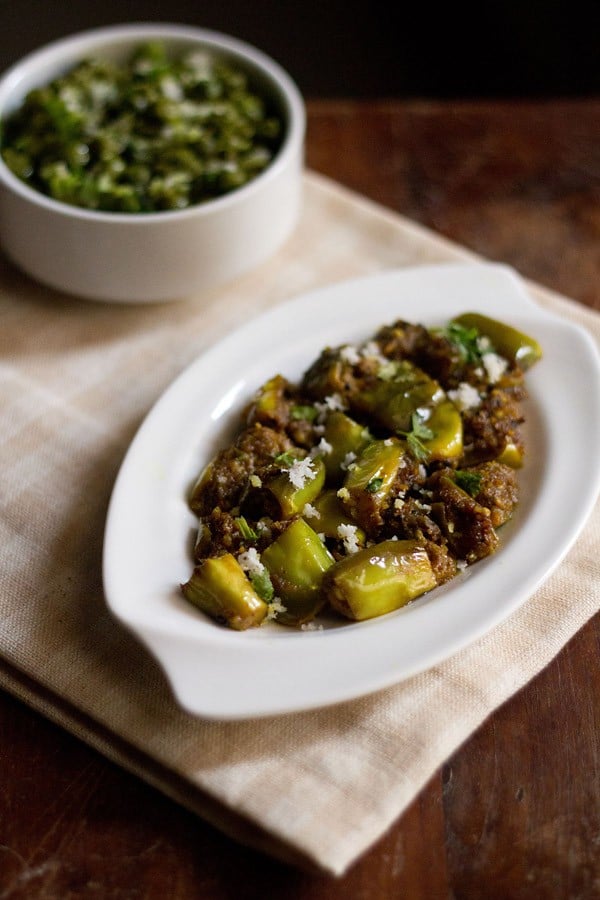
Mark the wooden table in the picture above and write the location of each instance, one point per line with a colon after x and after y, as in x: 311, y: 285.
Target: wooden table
x: 515, y: 813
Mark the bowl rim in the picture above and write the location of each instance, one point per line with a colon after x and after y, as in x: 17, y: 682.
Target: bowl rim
x: 86, y: 40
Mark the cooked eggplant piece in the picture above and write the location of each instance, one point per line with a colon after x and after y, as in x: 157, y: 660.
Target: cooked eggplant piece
x: 379, y: 579
x: 219, y: 587
x: 296, y: 562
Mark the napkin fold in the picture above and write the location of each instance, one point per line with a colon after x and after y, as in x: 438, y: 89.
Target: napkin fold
x: 76, y: 379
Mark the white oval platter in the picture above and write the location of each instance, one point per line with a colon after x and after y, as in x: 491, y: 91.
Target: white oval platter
x: 221, y: 674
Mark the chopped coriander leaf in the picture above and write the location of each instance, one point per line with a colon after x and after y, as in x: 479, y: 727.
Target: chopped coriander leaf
x: 417, y: 447
x: 261, y: 582
x: 414, y: 438
x: 374, y: 484
x: 468, y: 481
x: 287, y: 458
x: 304, y: 412
x: 419, y: 429
x: 465, y: 340
x: 248, y: 533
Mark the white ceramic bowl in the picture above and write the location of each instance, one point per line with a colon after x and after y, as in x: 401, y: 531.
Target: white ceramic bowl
x: 143, y: 257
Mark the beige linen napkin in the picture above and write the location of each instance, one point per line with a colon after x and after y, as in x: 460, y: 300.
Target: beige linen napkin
x: 76, y: 379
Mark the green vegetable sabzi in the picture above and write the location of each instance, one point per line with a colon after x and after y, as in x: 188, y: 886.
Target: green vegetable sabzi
x: 151, y: 134
x: 384, y: 473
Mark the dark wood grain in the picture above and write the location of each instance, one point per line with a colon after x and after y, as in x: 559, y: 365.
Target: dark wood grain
x: 516, y: 182
x: 515, y: 813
